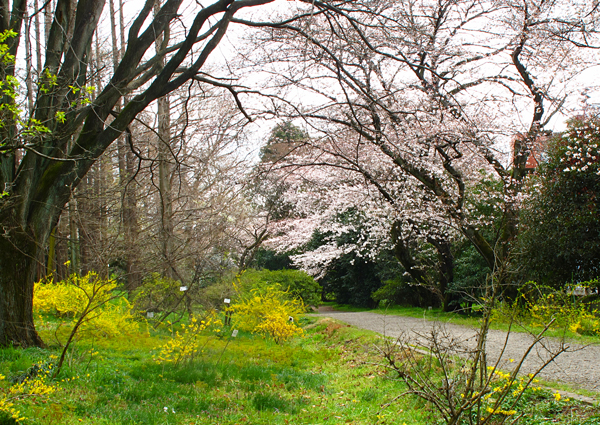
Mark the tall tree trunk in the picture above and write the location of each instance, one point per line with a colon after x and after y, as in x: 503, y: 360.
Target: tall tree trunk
x: 18, y: 272
x: 446, y: 272
x: 101, y: 176
x: 73, y: 237
x: 38, y: 38
x: 165, y: 172
x: 62, y: 249
x: 164, y: 186
x: 130, y: 218
x: 28, y: 64
x: 126, y: 175
x: 85, y: 223
x: 51, y: 262
x: 48, y: 8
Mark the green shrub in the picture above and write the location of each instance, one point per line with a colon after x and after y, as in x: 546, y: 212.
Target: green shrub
x: 297, y: 283
x: 400, y: 292
x: 157, y: 293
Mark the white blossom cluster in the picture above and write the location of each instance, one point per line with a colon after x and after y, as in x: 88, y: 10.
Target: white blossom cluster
x: 582, y: 152
x: 324, y: 186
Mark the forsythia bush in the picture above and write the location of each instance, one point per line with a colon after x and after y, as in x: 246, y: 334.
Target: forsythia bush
x: 107, y: 315
x: 503, y: 394
x: 69, y: 297
x: 268, y: 311
x: 185, y: 345
x: 538, y: 305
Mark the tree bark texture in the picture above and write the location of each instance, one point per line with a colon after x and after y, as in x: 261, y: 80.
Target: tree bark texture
x: 19, y: 256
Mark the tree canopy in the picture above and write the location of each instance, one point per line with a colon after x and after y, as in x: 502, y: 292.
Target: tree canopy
x: 561, y: 220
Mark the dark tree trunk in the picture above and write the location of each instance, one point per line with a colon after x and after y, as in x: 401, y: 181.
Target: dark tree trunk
x: 19, y: 256
x: 446, y: 272
x: 445, y: 266
x: 404, y: 255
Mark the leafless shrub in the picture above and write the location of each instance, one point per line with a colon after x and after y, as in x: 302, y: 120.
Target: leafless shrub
x: 456, y: 376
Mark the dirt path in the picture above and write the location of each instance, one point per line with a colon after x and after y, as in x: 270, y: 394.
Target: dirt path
x: 580, y: 366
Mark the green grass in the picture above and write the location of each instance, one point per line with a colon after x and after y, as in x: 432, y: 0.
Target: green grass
x: 332, y: 375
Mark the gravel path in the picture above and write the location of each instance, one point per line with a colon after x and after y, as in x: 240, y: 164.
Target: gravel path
x: 579, y: 366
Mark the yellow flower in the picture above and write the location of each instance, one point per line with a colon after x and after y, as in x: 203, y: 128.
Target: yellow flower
x: 557, y: 396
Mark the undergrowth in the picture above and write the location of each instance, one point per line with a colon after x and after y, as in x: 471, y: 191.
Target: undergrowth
x: 331, y: 375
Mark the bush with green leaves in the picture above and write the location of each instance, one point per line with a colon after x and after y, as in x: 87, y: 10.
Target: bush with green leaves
x: 560, y: 223
x: 400, y: 291
x: 297, y: 283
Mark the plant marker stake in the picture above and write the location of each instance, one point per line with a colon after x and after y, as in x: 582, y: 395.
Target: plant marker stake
x: 227, y: 301
x: 233, y: 334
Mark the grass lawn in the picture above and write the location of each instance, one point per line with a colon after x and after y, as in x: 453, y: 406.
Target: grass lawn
x: 332, y: 375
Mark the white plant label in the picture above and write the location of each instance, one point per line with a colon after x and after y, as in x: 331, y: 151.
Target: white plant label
x: 183, y: 288
x: 226, y: 300
x: 234, y: 333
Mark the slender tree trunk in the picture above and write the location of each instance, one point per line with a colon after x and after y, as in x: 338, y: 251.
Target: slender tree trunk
x: 130, y: 219
x: 38, y: 38
x: 164, y: 174
x: 126, y: 173
x: 51, y: 262
x: 28, y: 64
x: 48, y: 8
x: 164, y: 178
x: 62, y: 249
x: 85, y: 223
x: 73, y: 237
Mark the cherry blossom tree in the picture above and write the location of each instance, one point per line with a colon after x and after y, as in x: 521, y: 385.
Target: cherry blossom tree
x: 329, y: 179
x: 432, y: 90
